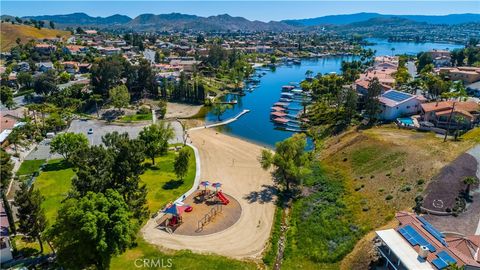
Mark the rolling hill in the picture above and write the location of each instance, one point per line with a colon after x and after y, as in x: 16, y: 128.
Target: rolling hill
x: 10, y: 33
x: 359, y: 17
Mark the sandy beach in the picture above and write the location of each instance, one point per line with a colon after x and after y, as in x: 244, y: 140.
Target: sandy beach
x: 180, y: 110
x: 233, y: 162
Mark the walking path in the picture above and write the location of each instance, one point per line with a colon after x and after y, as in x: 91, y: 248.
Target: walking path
x: 233, y: 162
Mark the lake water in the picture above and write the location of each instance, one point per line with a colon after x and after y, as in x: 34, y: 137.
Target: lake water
x: 256, y: 126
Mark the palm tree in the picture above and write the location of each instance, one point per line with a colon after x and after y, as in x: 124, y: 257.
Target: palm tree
x: 469, y: 180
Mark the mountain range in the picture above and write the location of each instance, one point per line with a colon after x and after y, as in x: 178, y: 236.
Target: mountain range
x: 225, y: 22
x: 358, y: 17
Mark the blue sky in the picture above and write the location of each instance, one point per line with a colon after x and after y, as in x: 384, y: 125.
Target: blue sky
x: 253, y: 10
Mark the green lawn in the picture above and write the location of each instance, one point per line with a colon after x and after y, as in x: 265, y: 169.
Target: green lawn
x: 162, y: 183
x: 54, y: 183
x: 30, y: 166
x: 136, y: 117
x: 179, y: 260
x: 163, y: 187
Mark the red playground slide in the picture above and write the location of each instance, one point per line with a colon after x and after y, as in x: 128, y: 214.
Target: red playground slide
x: 222, y: 198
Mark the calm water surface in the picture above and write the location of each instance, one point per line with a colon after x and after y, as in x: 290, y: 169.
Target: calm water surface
x: 256, y: 126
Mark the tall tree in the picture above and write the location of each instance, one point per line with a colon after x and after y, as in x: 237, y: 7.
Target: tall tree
x: 31, y: 216
x: 119, y: 96
x: 372, y: 104
x: 218, y: 109
x: 155, y: 137
x: 6, y: 97
x: 67, y: 143
x: 290, y: 161
x: 6, y: 167
x: 91, y: 229
x: 182, y: 162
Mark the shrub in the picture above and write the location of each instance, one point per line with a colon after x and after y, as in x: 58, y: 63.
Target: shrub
x: 388, y: 197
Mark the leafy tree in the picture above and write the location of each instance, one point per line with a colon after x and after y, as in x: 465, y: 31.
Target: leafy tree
x: 162, y: 108
x: 6, y: 96
x: 181, y: 162
x: 106, y: 74
x: 66, y: 144
x: 25, y: 79
x: 91, y: 229
x: 6, y: 173
x: 30, y: 214
x: 55, y: 122
x: 469, y: 181
x: 424, y: 58
x: 64, y: 77
x: 155, y: 137
x: 17, y: 138
x: 45, y: 84
x: 290, y: 161
x: 218, y: 109
x: 52, y: 25
x: 372, y: 104
x: 119, y: 96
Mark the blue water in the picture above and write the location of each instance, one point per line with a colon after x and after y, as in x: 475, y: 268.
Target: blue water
x: 256, y: 125
x: 406, y: 121
x: 383, y: 47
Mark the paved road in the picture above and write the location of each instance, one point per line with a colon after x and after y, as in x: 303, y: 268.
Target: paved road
x: 101, y: 128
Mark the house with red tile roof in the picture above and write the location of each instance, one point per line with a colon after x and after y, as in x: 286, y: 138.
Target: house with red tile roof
x: 415, y: 244
x: 440, y: 112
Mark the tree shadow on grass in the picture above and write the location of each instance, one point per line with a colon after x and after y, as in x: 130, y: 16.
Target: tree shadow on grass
x: 152, y: 167
x: 267, y: 194
x: 57, y: 166
x: 172, y: 184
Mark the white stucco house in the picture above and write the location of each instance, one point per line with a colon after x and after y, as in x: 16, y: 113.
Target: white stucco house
x: 394, y: 104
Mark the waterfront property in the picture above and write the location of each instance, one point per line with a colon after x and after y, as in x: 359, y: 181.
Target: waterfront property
x: 395, y: 104
x: 416, y: 244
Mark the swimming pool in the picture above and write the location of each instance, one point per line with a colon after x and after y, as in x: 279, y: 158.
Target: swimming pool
x: 407, y: 121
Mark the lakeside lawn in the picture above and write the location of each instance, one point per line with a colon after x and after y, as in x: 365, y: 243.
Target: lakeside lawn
x: 162, y: 183
x: 30, y: 166
x: 163, y: 187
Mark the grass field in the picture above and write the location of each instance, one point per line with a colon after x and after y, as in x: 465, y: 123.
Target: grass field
x: 136, y: 117
x: 54, y: 183
x: 163, y: 187
x: 162, y: 183
x: 10, y: 33
x: 179, y: 260
x: 30, y: 166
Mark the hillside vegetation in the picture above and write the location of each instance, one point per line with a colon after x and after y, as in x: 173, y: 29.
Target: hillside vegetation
x: 10, y: 33
x: 362, y: 174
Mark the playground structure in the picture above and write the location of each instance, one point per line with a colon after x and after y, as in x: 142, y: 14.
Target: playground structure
x: 222, y: 198
x: 209, y: 217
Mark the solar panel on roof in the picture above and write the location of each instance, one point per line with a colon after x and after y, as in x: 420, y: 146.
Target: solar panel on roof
x: 396, y: 96
x: 414, y: 238
x: 433, y: 231
x: 446, y: 257
x: 439, y: 263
